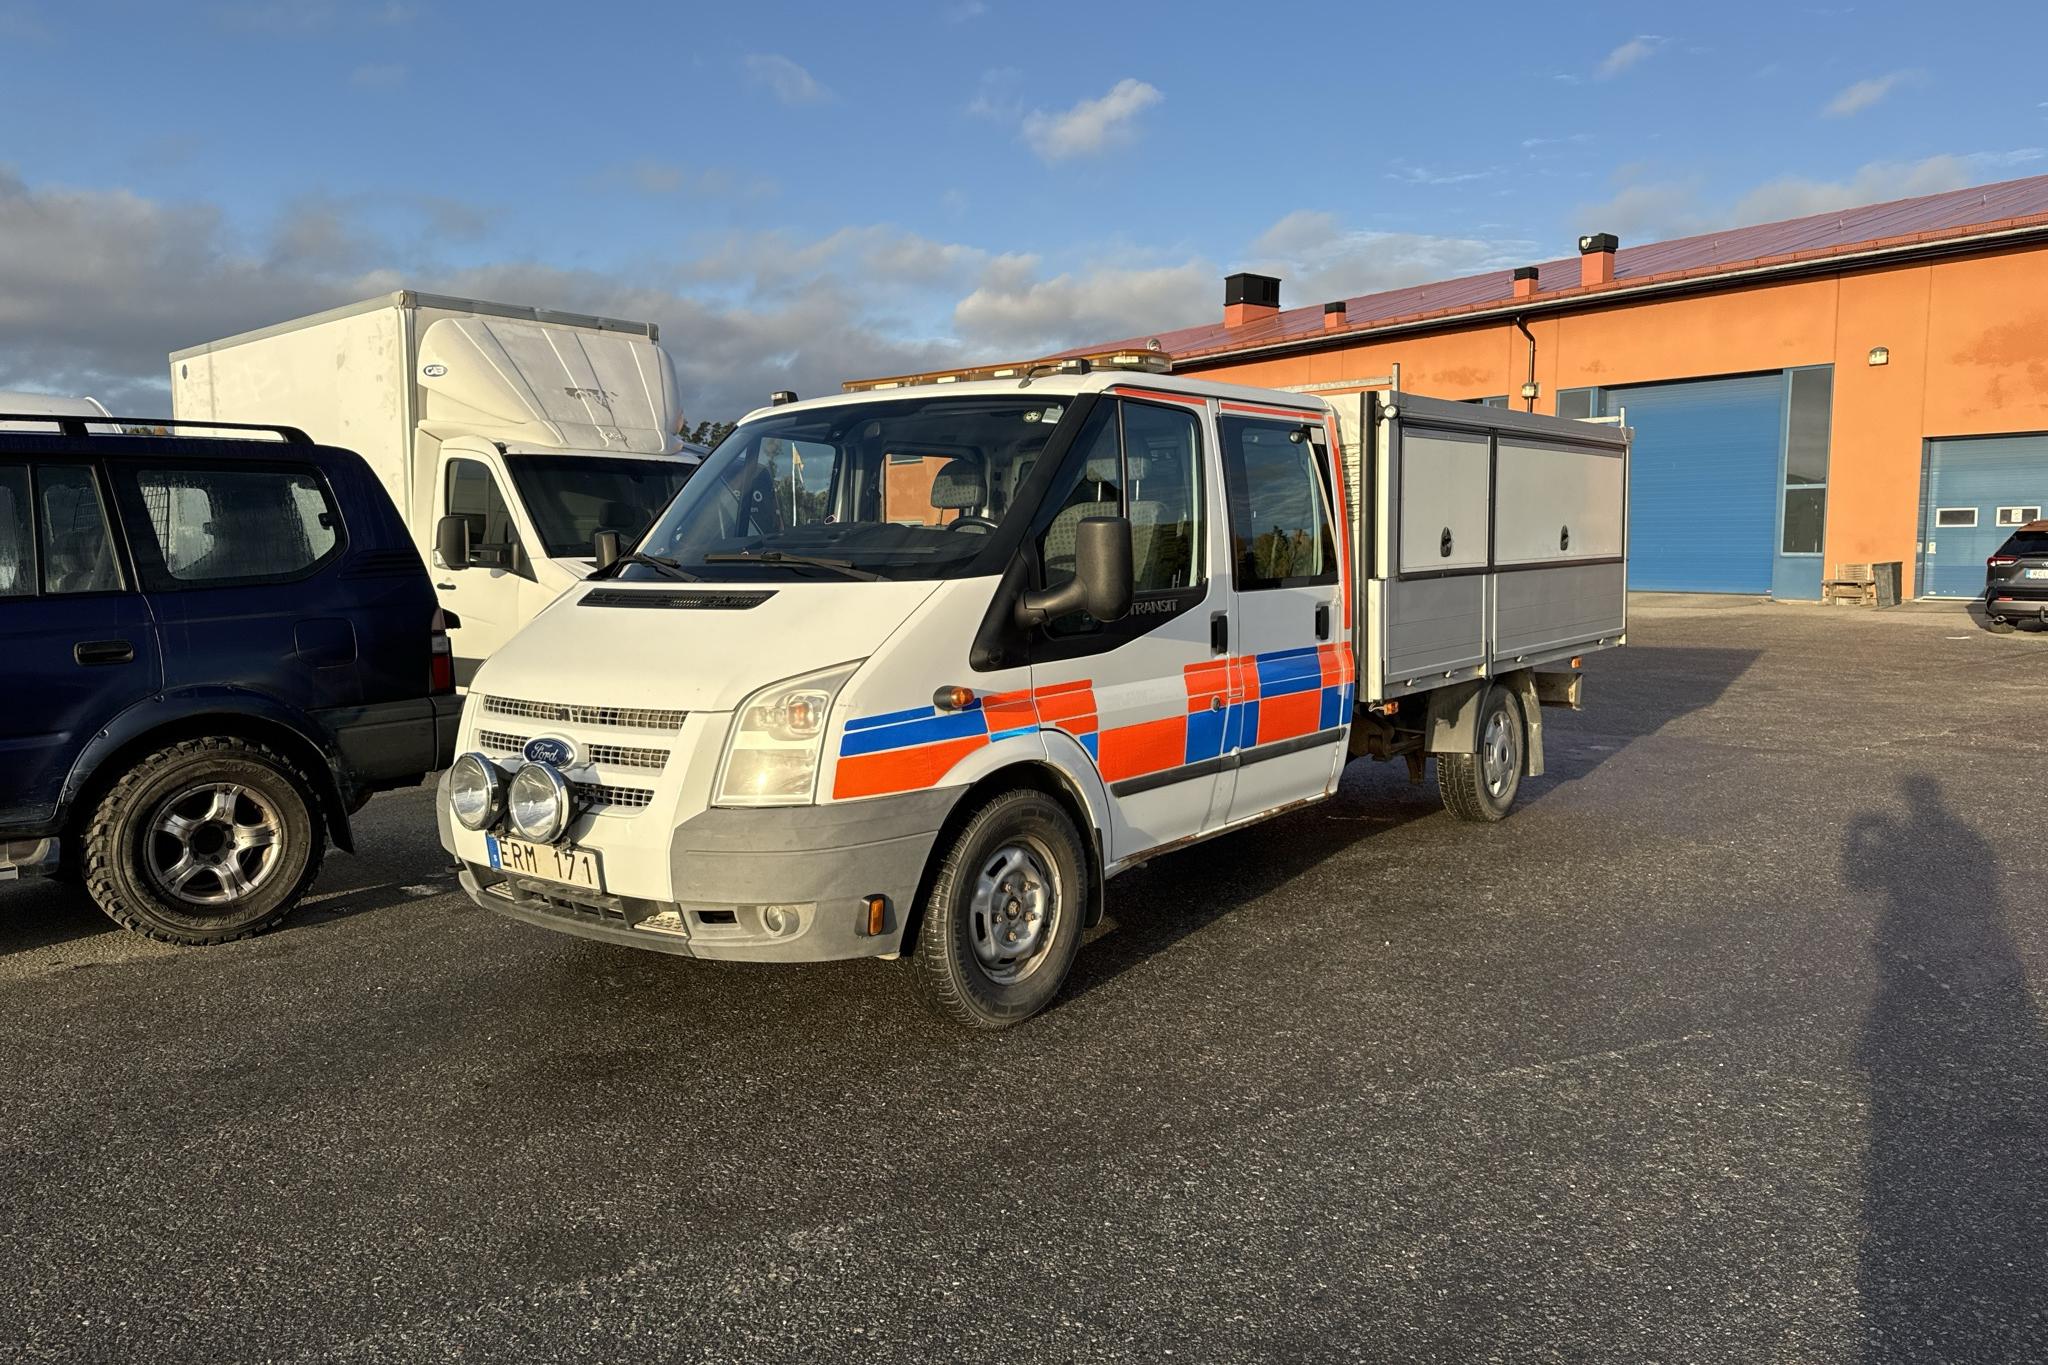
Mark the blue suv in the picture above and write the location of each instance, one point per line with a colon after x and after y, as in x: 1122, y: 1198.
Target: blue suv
x: 213, y: 650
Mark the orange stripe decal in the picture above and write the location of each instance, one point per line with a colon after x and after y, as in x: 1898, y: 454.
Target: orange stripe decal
x: 1148, y: 747
x: 896, y: 770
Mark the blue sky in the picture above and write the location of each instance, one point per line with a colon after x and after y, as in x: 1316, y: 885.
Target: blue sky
x: 800, y: 194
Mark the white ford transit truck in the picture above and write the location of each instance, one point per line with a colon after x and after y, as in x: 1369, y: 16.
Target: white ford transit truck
x: 917, y: 671
x: 508, y: 436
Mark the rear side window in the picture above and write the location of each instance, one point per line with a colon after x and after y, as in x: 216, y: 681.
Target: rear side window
x: 225, y: 527
x: 2026, y: 544
x: 1280, y: 530
x: 78, y: 551
x: 17, y: 551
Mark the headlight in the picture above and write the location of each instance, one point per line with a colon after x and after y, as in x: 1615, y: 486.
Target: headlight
x: 476, y: 791
x: 539, y: 803
x: 771, y: 756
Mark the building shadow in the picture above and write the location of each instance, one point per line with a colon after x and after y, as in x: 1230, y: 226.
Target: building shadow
x: 1954, y: 1263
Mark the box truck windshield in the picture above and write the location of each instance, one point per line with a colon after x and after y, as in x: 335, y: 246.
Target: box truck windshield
x: 572, y: 497
x: 903, y: 488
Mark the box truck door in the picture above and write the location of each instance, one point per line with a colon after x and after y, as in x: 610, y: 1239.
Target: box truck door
x: 486, y: 592
x: 1144, y: 695
x: 1290, y: 661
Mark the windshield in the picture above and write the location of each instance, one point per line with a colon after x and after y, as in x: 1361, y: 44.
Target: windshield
x: 907, y: 488
x: 573, y: 497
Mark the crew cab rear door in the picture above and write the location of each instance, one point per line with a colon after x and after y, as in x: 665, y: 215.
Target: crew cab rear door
x: 1290, y: 698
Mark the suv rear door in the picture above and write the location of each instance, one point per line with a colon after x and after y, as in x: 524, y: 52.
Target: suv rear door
x: 231, y: 554
x: 76, y: 636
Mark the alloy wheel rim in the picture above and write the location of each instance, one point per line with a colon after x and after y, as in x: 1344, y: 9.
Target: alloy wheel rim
x: 1497, y: 753
x: 214, y: 844
x: 1014, y: 911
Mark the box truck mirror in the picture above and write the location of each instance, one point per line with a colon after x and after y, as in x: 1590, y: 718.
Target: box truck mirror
x: 604, y: 548
x: 1102, y: 584
x: 451, y: 541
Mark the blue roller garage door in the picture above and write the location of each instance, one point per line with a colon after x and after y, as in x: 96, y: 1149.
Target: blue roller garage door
x: 1704, y: 483
x: 1968, y: 483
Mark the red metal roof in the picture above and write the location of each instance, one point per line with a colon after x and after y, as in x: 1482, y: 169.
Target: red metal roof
x: 1955, y: 214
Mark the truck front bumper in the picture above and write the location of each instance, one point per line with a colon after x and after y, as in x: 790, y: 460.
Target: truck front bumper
x: 779, y: 884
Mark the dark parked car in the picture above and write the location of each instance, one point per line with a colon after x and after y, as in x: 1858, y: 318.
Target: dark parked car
x: 214, y: 650
x: 2016, y: 577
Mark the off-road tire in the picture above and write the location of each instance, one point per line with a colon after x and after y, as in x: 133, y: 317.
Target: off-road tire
x: 113, y: 845
x: 950, y: 977
x: 1461, y: 778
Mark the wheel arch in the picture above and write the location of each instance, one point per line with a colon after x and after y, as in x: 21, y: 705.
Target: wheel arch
x: 1026, y: 772
x: 168, y: 719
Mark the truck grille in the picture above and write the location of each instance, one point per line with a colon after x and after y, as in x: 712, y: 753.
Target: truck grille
x: 565, y: 713
x: 603, y: 795
x: 609, y: 755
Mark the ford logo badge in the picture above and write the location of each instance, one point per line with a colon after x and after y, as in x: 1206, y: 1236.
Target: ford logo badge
x: 548, y: 749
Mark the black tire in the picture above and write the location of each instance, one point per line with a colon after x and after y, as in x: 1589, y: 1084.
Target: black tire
x: 1481, y: 786
x: 204, y: 841
x: 982, y: 888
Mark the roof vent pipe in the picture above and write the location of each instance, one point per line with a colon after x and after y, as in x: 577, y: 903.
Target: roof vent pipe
x: 1596, y: 257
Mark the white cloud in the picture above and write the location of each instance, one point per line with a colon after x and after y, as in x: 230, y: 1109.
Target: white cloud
x: 1656, y: 210
x: 1634, y: 51
x: 379, y: 75
x: 1015, y: 311
x: 1424, y: 175
x: 1319, y: 259
x: 1856, y: 98
x: 784, y: 79
x: 1092, y: 126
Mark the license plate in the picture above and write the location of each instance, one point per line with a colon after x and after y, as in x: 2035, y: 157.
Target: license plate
x: 2037, y: 573
x: 550, y: 862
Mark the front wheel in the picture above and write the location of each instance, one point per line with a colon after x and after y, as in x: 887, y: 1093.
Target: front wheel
x: 1003, y: 920
x: 1480, y: 786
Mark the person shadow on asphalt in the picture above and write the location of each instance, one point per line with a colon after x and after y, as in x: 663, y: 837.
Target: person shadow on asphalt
x: 1954, y: 1262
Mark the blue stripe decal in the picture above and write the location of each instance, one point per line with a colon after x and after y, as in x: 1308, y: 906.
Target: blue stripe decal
x: 890, y: 718
x: 1089, y: 742
x: 1205, y: 735
x: 999, y: 736
x: 1289, y: 670
x: 1333, y: 707
x: 928, y: 728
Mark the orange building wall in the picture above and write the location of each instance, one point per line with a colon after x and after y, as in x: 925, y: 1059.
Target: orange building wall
x: 1969, y: 356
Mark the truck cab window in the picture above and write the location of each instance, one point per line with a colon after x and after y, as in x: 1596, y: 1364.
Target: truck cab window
x: 17, y: 551
x: 1144, y: 462
x: 78, y: 552
x: 473, y: 494
x: 1280, y: 532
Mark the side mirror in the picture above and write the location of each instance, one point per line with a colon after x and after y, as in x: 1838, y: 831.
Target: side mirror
x: 451, y: 541
x: 1102, y: 584
x: 604, y: 546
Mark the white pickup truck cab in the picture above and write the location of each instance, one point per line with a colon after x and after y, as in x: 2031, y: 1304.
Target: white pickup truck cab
x: 917, y: 671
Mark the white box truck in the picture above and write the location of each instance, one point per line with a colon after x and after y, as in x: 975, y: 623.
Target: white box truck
x: 915, y: 672
x: 508, y: 436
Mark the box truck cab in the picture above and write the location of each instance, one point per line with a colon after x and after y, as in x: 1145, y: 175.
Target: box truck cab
x: 917, y: 671
x: 508, y: 436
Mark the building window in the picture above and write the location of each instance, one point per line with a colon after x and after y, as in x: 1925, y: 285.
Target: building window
x: 1574, y: 402
x: 2018, y: 516
x: 1809, y: 409
x: 1497, y: 401
x: 1955, y: 516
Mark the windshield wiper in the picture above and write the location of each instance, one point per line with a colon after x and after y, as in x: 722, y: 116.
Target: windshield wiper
x: 781, y: 557
x: 667, y: 566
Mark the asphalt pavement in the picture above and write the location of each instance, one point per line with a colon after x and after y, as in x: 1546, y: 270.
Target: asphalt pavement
x: 1728, y: 1046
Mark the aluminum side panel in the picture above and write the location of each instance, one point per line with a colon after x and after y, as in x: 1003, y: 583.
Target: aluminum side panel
x: 1537, y: 611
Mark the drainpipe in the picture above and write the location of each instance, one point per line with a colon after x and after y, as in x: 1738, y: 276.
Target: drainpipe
x: 1529, y: 389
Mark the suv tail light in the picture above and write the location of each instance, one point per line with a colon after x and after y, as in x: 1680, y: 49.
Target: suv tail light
x: 441, y: 656
x: 2001, y: 561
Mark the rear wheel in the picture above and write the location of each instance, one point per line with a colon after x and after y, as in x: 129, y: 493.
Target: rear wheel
x: 1003, y: 920
x: 204, y: 841
x: 1481, y: 785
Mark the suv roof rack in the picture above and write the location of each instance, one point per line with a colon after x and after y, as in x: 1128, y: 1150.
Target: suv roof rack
x: 76, y: 425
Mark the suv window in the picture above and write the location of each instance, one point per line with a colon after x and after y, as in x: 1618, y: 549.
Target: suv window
x: 1279, y: 510
x: 78, y: 550
x: 220, y: 527
x: 17, y: 551
x: 473, y: 494
x: 2026, y: 544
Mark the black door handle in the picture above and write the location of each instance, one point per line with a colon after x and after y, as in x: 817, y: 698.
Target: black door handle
x: 103, y: 652
x: 1322, y: 620
x: 1219, y: 632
